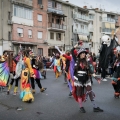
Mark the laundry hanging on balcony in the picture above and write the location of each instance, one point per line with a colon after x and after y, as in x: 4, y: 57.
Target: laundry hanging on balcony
x: 112, y: 26
x: 83, y: 37
x: 107, y: 25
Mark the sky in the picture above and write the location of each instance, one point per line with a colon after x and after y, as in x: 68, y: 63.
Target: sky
x: 108, y: 5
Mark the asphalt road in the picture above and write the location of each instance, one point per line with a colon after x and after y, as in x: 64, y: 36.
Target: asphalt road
x: 54, y: 103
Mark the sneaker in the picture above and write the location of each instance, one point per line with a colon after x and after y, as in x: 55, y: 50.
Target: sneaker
x: 33, y: 91
x: 8, y: 92
x: 43, y: 89
x: 70, y: 94
x: 82, y: 110
x: 97, y: 109
x: 104, y: 79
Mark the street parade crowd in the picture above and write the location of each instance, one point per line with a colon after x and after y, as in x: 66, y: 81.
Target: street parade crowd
x: 78, y: 65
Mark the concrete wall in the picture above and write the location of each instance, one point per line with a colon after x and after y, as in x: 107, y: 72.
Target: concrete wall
x: 5, y: 8
x: 69, y: 22
x: 96, y: 31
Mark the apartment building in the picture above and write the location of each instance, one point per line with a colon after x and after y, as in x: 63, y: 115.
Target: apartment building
x: 95, y: 29
x: 22, y: 25
x: 117, y: 26
x: 100, y: 23
x: 56, y: 25
x: 40, y: 26
x: 80, y: 26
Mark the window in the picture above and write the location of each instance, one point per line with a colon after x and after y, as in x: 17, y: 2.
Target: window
x: 20, y: 32
x: 39, y: 18
x: 53, y: 4
x: 52, y: 36
x: 40, y: 51
x: 30, y: 33
x: 40, y: 2
x: 100, y: 18
x: 9, y: 15
x: 9, y: 35
x: 58, y: 36
x: 39, y: 35
x: 22, y: 12
x: 100, y: 29
x: 57, y: 21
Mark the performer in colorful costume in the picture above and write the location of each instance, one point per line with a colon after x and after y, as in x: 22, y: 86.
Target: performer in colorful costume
x: 116, y: 75
x: 16, y: 70
x: 36, y: 69
x: 82, y: 82
x: 106, y: 50
x: 4, y: 70
x: 26, y: 94
x: 57, y: 66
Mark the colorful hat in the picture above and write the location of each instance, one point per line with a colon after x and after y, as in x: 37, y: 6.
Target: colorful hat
x: 81, y: 50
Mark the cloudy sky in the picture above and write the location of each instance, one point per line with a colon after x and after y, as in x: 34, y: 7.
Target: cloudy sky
x: 108, y: 5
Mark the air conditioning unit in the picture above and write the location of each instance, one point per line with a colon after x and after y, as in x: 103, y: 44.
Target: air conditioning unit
x: 45, y: 41
x: 41, y: 6
x: 10, y: 22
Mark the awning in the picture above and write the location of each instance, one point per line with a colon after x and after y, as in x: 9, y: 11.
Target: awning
x: 107, y: 25
x: 83, y: 37
x: 80, y: 37
x: 112, y: 26
x: 26, y: 43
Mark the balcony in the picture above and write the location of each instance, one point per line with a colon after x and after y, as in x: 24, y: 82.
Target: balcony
x: 81, y: 18
x: 107, y: 31
x: 91, y: 29
x: 80, y: 31
x: 57, y: 27
x: 23, y: 2
x: 105, y: 19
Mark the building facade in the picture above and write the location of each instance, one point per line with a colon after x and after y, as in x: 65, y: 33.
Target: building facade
x: 5, y: 25
x: 80, y: 26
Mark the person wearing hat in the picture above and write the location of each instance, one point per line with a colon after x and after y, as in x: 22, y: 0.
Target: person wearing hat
x: 116, y: 75
x: 82, y: 85
x: 67, y: 70
x: 57, y: 65
x: 36, y: 69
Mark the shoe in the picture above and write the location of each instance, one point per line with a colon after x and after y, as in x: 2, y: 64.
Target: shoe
x: 33, y: 91
x: 82, y: 110
x: 70, y: 94
x: 30, y: 101
x: 14, y: 93
x: 104, y: 79
x: 43, y: 89
x: 97, y: 109
x: 8, y: 92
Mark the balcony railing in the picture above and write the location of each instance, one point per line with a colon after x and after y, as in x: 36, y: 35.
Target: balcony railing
x: 25, y: 2
x: 57, y: 26
x: 81, y: 31
x: 91, y: 29
x: 107, y: 30
x: 80, y: 17
x: 108, y: 19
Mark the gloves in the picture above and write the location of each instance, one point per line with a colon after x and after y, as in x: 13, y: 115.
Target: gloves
x: 75, y: 78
